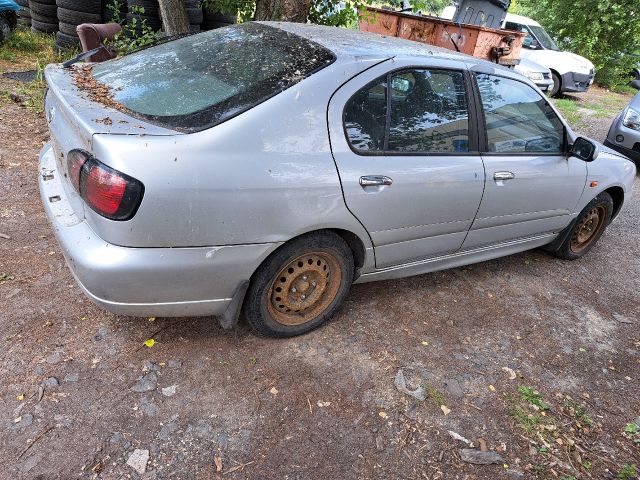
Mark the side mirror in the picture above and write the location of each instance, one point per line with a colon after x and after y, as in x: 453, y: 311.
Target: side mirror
x: 635, y: 84
x: 584, y: 150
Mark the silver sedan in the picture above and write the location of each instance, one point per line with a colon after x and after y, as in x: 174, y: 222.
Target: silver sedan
x: 624, y: 133
x: 265, y: 167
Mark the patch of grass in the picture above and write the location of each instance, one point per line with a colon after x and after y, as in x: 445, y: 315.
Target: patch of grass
x: 632, y: 431
x: 579, y: 412
x: 529, y: 422
x: 629, y: 471
x: 434, y: 394
x: 531, y: 395
x: 569, y: 110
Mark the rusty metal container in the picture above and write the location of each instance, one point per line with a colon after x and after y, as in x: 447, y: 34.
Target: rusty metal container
x: 500, y: 46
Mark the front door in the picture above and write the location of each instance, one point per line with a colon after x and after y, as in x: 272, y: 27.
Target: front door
x: 407, y: 157
x: 532, y: 188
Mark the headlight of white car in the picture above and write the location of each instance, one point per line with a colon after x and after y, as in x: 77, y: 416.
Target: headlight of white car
x: 535, y: 76
x: 631, y: 119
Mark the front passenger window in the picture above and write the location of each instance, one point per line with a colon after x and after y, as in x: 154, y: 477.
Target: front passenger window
x: 517, y: 118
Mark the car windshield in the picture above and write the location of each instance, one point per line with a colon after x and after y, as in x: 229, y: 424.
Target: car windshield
x: 543, y: 37
x: 198, y: 81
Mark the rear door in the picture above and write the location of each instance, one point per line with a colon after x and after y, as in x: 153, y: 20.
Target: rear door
x: 407, y: 155
x: 532, y: 188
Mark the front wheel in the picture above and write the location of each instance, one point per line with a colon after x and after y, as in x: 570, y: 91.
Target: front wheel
x: 5, y: 29
x: 300, y: 286
x: 557, y: 84
x: 589, y: 227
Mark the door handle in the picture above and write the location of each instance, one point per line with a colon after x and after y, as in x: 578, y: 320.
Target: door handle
x: 500, y: 176
x: 375, y: 181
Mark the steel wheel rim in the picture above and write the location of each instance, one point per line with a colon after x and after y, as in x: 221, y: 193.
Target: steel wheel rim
x: 304, y: 288
x: 587, y: 229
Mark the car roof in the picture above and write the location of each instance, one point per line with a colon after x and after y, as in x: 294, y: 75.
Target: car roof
x: 354, y: 43
x: 512, y: 17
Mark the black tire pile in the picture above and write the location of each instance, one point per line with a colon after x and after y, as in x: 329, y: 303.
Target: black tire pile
x: 44, y: 16
x: 194, y: 12
x: 217, y: 20
x: 72, y: 13
x: 24, y: 14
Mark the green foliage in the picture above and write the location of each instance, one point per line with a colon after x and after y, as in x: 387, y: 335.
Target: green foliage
x: 628, y: 472
x: 532, y: 396
x: 242, y: 8
x: 135, y: 34
x: 603, y: 32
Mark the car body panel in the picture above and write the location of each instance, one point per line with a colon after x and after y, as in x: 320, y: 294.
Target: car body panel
x: 538, y: 74
x: 629, y: 144
x: 445, y: 189
x: 219, y: 201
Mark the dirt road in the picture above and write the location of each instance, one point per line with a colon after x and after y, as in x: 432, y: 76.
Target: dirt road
x: 537, y: 357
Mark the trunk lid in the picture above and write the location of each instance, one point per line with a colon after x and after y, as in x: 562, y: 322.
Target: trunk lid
x: 74, y: 119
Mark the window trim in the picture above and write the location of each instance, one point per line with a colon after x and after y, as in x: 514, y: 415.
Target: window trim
x: 471, y: 111
x: 482, y: 120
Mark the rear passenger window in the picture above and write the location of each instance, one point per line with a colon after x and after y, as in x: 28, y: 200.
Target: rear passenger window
x: 365, y: 117
x: 428, y: 113
x: 517, y: 118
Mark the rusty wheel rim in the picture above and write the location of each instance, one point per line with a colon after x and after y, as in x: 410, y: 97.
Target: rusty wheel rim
x: 587, y: 229
x: 304, y: 288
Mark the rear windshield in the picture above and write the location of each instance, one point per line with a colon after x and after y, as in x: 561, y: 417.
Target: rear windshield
x: 198, y: 81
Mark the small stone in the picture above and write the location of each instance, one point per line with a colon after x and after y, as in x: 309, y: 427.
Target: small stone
x: 174, y: 363
x: 147, y: 383
x: 148, y: 366
x: 453, y: 388
x: 51, y: 382
x: 322, y: 351
x: 138, y: 460
x: 54, y: 358
x: 379, y: 443
x: 478, y: 457
x: 116, y: 438
x: 71, y: 377
x: 25, y: 421
x: 101, y: 334
x: 166, y: 431
x: 148, y: 408
x: 169, y: 391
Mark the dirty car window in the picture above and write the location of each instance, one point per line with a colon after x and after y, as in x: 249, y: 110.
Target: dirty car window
x: 199, y: 81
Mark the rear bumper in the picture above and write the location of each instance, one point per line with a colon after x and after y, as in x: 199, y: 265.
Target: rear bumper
x: 171, y: 282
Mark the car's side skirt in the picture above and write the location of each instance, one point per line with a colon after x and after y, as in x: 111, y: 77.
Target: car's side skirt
x: 458, y: 259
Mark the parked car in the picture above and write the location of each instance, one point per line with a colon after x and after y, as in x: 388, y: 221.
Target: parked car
x: 570, y: 72
x: 538, y: 74
x: 264, y: 167
x: 8, y: 18
x: 624, y: 133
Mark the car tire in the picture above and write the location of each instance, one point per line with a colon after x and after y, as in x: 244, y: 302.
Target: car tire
x: 87, y: 6
x: 67, y: 42
x: 69, y: 29
x: 43, y: 9
x: 587, y: 228
x: 5, y: 29
x: 557, y: 85
x: 75, y: 17
x: 43, y: 27
x: 299, y: 286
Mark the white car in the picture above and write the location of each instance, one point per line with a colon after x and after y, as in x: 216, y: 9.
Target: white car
x: 538, y: 74
x: 570, y: 72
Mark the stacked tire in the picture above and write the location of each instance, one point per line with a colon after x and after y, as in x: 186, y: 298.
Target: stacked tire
x: 194, y: 12
x: 43, y: 16
x: 150, y: 14
x: 24, y: 14
x: 72, y: 13
x: 217, y: 20
x: 108, y: 14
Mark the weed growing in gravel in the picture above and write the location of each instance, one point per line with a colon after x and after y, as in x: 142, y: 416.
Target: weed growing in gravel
x: 628, y: 472
x: 632, y: 431
x: 434, y: 394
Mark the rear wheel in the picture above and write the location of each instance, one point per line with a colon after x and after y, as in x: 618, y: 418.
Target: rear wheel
x: 300, y: 286
x: 5, y: 29
x: 588, y: 229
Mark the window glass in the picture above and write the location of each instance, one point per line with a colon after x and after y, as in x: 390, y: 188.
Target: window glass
x: 365, y: 116
x: 517, y: 118
x: 428, y: 112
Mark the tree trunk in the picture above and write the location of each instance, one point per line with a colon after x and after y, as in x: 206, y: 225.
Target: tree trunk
x: 174, y: 17
x: 283, y: 10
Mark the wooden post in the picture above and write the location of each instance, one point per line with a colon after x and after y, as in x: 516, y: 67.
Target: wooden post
x: 174, y: 17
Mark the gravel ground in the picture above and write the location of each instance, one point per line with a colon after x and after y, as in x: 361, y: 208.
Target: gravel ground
x: 534, y: 359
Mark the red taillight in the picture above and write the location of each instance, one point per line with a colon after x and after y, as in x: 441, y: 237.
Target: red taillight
x: 75, y: 160
x: 108, y: 192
